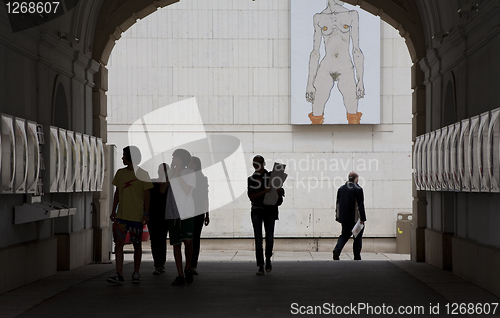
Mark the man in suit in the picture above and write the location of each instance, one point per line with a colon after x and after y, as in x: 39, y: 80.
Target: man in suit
x: 350, y: 208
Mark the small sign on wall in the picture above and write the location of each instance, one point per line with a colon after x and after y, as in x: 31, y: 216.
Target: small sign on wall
x: 335, y: 64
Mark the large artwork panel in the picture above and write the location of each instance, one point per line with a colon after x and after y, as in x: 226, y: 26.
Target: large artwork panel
x: 335, y: 64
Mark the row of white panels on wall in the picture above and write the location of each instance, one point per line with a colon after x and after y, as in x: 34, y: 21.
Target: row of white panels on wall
x: 464, y: 156
x: 19, y: 155
x: 76, y: 162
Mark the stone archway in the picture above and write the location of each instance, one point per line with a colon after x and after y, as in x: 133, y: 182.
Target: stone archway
x: 117, y: 16
x: 404, y: 16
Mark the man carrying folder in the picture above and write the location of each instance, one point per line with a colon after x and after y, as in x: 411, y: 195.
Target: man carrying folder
x: 350, y: 209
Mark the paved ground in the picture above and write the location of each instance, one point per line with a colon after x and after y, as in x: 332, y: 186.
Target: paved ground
x: 228, y: 287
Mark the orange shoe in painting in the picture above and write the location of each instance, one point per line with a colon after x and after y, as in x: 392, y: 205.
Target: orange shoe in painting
x: 316, y: 120
x: 354, y: 118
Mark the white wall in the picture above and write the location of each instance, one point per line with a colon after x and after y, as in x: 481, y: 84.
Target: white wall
x: 234, y: 57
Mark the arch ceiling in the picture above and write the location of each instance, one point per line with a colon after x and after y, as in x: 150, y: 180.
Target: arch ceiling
x: 404, y: 16
x: 116, y: 16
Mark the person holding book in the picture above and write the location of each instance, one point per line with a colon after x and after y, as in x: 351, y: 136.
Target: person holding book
x: 259, y: 184
x: 349, y: 209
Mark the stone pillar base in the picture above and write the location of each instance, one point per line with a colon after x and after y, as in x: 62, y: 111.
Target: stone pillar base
x: 438, y: 251
x: 74, y: 249
x: 26, y: 263
x: 477, y: 263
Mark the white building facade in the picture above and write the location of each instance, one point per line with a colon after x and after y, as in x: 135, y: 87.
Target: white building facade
x: 233, y: 57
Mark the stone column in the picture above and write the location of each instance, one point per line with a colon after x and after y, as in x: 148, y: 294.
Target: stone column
x: 100, y: 216
x: 419, y: 197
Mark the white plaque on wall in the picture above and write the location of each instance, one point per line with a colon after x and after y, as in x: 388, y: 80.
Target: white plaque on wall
x: 425, y: 169
x: 494, y: 150
x: 86, y: 159
x: 7, y: 154
x: 93, y: 163
x: 482, y: 152
x: 440, y: 176
x: 454, y: 160
x: 21, y: 155
x: 417, y: 162
x: 431, y: 151
x: 65, y: 161
x: 79, y: 162
x: 33, y: 165
x: 472, y: 160
x: 72, y: 153
x: 447, y: 159
x: 463, y: 159
x: 54, y: 160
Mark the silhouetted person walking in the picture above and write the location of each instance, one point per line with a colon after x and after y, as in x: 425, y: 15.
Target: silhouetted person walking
x: 180, y: 213
x: 200, y: 197
x: 132, y: 200
x: 157, y: 225
x: 258, y: 186
x: 350, y: 208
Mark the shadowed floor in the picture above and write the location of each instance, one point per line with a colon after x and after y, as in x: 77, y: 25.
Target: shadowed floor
x: 228, y: 287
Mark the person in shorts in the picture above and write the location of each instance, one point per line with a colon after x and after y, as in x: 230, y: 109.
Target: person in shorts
x: 132, y: 200
x: 180, y: 213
